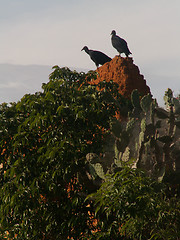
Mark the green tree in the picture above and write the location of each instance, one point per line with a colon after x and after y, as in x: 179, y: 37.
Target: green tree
x: 132, y: 206
x: 44, y: 140
x: 43, y: 145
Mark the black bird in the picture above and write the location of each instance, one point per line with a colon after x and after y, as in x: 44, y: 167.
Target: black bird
x: 97, y: 56
x: 119, y: 44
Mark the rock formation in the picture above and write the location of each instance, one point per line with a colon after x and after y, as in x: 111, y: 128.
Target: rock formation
x: 124, y: 72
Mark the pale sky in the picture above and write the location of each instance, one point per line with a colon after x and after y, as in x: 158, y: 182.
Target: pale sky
x: 53, y: 32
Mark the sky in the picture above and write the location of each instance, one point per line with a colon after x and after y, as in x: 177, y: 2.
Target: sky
x: 45, y: 32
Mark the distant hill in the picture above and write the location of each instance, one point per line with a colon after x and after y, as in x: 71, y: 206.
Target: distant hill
x: 18, y: 80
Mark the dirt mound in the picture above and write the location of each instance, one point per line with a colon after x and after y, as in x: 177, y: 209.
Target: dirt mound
x: 124, y: 72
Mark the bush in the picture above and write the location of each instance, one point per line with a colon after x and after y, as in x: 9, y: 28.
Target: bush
x: 43, y: 144
x: 44, y: 140
x: 130, y: 205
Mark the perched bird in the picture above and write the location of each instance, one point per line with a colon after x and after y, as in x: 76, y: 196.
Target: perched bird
x: 119, y: 44
x: 97, y: 56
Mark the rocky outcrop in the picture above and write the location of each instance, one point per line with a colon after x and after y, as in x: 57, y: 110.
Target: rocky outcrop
x: 124, y: 72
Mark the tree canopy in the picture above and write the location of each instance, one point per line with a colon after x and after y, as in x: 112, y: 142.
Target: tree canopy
x: 44, y: 140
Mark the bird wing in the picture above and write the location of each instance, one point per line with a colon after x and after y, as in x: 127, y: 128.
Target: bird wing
x: 119, y: 43
x: 99, y: 57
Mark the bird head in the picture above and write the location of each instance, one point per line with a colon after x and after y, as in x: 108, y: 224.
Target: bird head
x: 85, y: 48
x: 113, y: 32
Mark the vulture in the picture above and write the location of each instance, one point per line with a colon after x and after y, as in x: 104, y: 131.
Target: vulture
x: 119, y: 44
x: 97, y: 56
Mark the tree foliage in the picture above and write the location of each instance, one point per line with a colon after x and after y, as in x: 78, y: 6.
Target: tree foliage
x: 44, y: 140
x: 43, y: 144
x: 131, y: 205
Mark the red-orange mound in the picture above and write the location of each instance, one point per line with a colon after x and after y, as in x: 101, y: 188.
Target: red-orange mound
x: 124, y: 72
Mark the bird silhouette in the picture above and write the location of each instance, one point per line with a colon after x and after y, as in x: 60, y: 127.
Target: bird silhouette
x: 119, y: 44
x: 96, y: 56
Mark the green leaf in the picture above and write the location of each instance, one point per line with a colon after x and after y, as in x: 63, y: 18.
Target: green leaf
x: 135, y: 99
x: 146, y: 103
x: 60, y: 109
x: 176, y: 103
x: 116, y: 128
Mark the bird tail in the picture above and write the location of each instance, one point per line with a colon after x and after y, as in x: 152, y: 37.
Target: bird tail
x: 128, y: 53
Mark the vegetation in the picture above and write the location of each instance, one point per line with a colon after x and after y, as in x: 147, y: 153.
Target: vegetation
x: 151, y: 136
x: 131, y: 205
x: 44, y: 141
